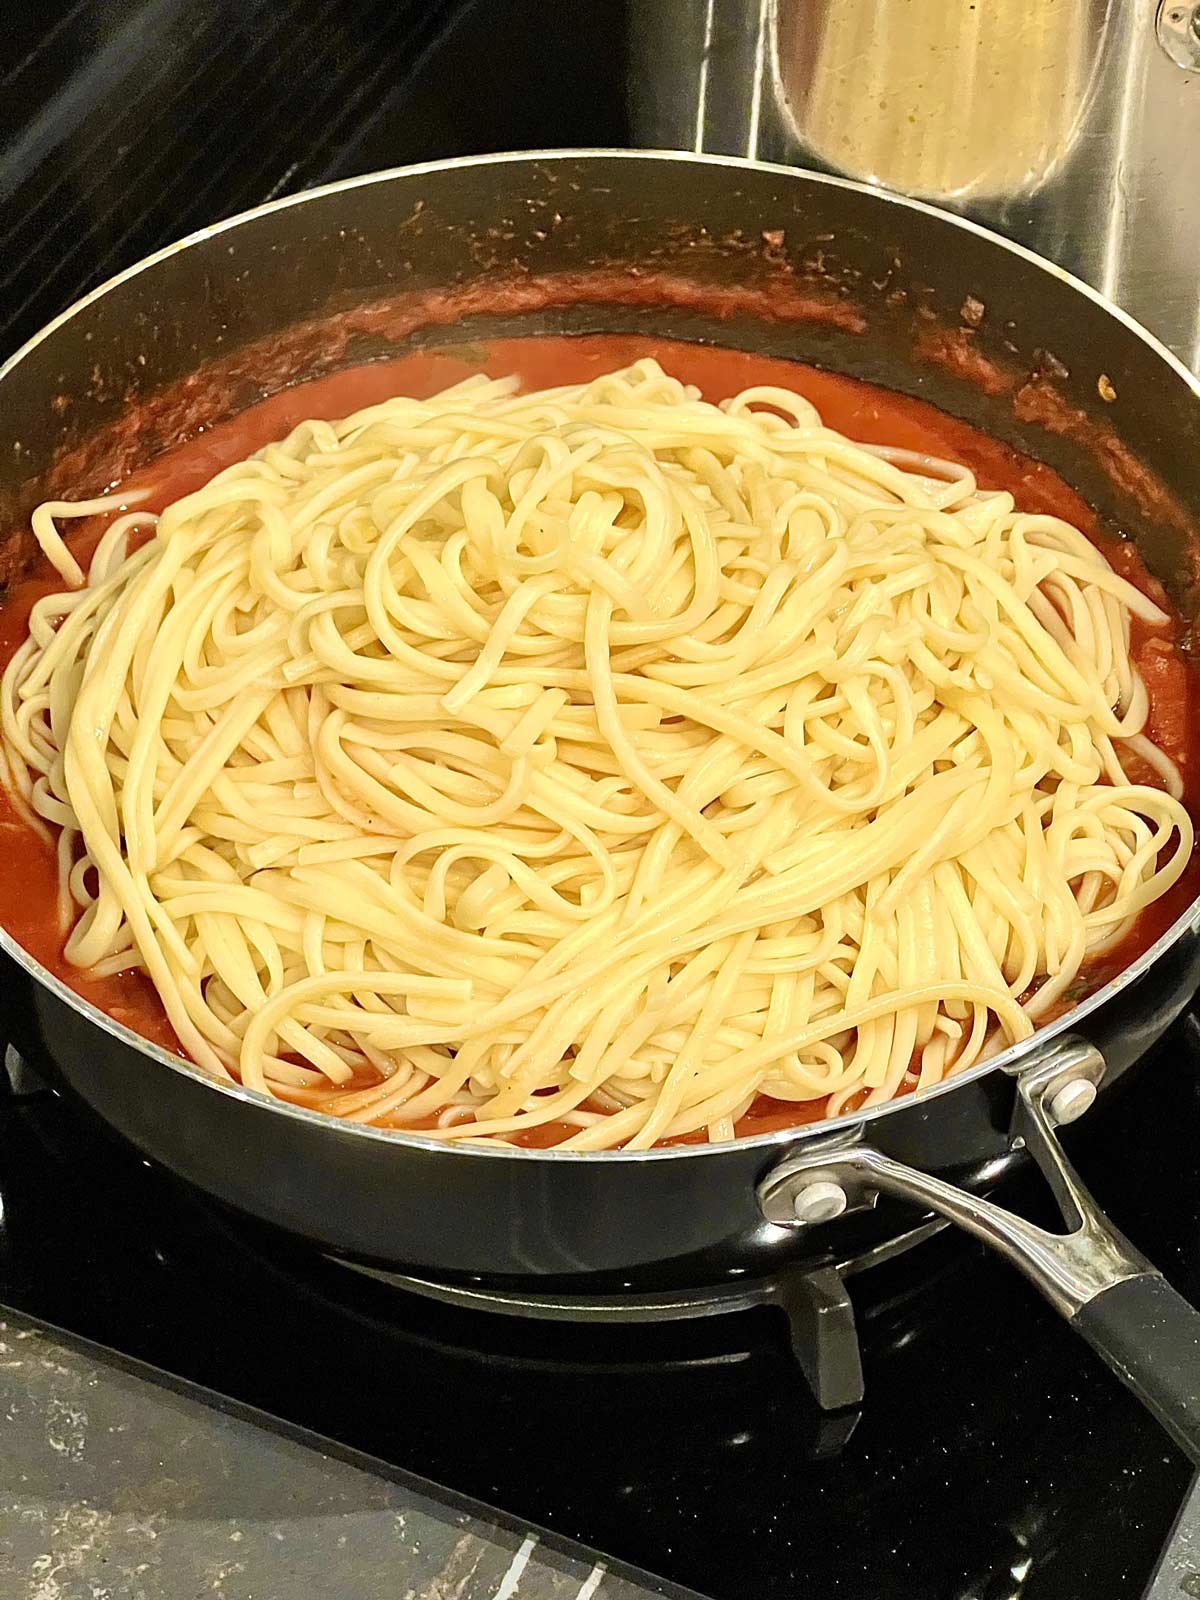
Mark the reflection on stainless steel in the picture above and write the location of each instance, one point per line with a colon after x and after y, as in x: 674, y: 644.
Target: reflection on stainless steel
x: 1179, y: 33
x: 1071, y: 125
x: 914, y: 96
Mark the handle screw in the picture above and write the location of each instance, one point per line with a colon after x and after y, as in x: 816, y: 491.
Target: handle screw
x: 1178, y: 29
x: 820, y: 1202
x: 1070, y: 1102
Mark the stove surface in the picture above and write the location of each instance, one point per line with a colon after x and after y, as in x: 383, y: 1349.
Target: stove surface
x: 988, y: 1439
x: 993, y: 1456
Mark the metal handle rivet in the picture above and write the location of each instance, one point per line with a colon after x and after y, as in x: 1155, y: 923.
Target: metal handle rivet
x: 1070, y: 1102
x: 820, y: 1201
x: 1178, y: 30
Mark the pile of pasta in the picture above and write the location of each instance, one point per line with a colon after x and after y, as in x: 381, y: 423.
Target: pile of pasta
x: 595, y: 758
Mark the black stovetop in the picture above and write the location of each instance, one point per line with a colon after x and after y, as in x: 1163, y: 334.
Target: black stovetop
x: 994, y: 1456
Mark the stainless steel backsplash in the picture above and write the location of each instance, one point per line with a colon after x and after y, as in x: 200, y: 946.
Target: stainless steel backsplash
x: 1070, y: 125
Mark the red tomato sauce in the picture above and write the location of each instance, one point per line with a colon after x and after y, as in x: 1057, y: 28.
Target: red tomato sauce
x: 28, y: 871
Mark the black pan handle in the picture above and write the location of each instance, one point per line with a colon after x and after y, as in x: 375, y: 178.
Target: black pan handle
x: 1147, y: 1333
x: 1150, y: 1336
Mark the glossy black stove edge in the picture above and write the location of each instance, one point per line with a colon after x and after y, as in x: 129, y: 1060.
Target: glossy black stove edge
x: 117, y: 1467
x: 994, y: 1455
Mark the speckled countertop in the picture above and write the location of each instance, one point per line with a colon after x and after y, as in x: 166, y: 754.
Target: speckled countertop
x: 116, y: 1484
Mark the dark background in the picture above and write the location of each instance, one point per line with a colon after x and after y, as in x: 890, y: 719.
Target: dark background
x: 126, y: 124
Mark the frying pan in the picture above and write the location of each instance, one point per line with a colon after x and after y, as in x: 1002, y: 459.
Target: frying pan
x: 746, y: 255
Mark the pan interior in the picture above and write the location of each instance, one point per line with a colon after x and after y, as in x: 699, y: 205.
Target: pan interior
x: 887, y: 357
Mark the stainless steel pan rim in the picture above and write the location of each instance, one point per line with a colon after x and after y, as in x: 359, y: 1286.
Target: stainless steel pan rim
x: 1008, y: 1059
